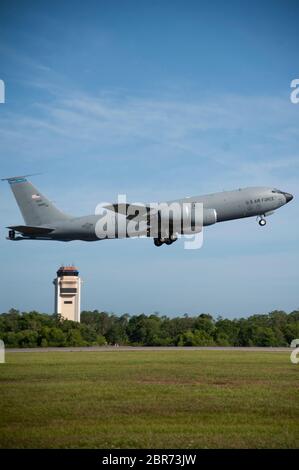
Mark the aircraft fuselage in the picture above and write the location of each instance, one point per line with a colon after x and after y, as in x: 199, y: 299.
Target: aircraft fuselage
x: 227, y: 205
x: 44, y: 221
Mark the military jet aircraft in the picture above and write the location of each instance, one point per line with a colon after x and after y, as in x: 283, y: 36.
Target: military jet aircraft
x: 44, y: 221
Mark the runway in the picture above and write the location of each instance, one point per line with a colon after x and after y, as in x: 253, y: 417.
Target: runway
x: 148, y: 348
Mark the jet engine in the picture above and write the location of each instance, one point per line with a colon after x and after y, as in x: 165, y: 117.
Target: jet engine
x: 187, y: 218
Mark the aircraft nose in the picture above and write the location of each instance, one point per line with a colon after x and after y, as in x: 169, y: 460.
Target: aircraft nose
x: 288, y: 197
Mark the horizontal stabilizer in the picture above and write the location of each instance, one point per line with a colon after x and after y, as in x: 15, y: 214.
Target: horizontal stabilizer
x: 16, y: 179
x: 28, y: 230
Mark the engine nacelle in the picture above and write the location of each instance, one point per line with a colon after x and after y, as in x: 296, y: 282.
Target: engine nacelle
x: 185, y: 218
x: 209, y: 217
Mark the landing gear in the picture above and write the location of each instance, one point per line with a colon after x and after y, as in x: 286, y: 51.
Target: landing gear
x: 262, y: 221
x: 11, y: 234
x: 167, y: 241
x: 158, y: 242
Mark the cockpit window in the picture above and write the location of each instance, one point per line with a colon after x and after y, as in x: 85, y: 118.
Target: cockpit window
x: 277, y: 191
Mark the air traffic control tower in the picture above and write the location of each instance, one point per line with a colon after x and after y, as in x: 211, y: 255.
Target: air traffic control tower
x: 68, y: 293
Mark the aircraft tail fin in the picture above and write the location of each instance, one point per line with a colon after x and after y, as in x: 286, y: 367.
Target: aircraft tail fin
x: 36, y: 209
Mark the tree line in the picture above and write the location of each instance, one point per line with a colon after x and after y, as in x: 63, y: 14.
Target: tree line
x: 34, y: 329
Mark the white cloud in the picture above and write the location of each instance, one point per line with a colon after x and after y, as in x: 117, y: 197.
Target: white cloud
x: 174, y: 146
x: 196, y: 128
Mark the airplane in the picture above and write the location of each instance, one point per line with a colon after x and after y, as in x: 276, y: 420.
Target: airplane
x: 44, y: 221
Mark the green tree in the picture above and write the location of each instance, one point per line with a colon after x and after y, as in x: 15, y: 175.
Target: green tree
x: 74, y: 338
x: 27, y: 339
x: 56, y: 337
x: 101, y: 340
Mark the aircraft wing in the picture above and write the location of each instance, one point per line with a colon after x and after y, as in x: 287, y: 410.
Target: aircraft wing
x: 28, y: 230
x: 132, y: 211
x: 141, y: 213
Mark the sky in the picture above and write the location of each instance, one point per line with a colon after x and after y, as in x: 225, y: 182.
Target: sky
x: 157, y: 100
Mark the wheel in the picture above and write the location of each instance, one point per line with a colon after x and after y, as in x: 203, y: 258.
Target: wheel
x: 158, y: 242
x: 11, y: 234
x: 168, y: 241
x: 262, y: 222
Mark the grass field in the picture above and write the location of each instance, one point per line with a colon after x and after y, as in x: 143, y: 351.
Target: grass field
x: 149, y: 399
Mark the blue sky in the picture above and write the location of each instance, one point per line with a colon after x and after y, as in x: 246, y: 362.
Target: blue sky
x: 157, y: 100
